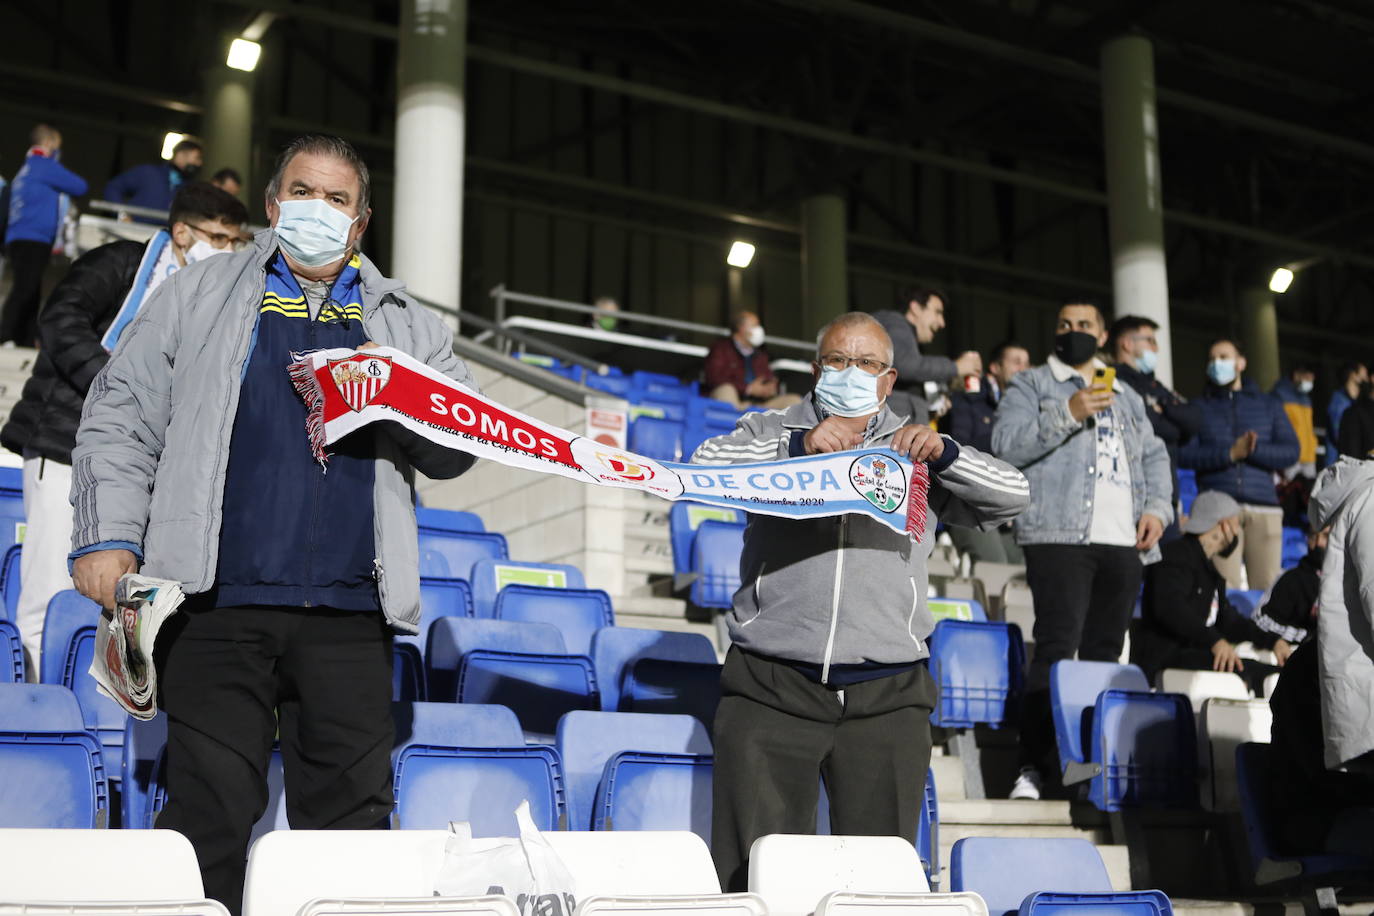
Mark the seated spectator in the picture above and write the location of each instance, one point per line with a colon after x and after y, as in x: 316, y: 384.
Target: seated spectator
x: 152, y: 185
x: 1244, y: 441
x: 970, y: 423
x: 737, y: 369
x: 1186, y: 620
x: 1295, y: 394
x: 1351, y: 381
x: 605, y: 318
x: 1290, y: 610
x: 228, y: 180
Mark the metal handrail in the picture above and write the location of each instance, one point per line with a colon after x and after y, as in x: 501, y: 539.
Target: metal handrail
x: 111, y: 207
x: 490, y: 327
x: 501, y: 295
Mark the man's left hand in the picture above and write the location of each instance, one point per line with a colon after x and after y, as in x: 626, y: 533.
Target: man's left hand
x: 919, y: 443
x: 1148, y: 532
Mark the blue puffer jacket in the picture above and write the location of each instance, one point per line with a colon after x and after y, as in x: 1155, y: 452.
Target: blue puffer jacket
x: 36, y: 205
x: 1226, y: 416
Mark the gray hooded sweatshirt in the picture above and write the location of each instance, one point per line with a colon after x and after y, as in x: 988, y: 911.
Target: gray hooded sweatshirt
x: 1344, y: 499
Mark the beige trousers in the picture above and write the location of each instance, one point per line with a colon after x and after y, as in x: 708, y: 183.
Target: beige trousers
x: 1260, y: 549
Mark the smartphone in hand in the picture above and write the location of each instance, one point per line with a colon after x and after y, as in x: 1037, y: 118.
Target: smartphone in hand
x: 1104, y: 378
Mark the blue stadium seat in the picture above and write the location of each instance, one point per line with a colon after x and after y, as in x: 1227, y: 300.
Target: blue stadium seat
x: 1123, y: 903
x: 660, y: 410
x: 588, y: 740
x: 407, y: 671
x: 1271, y: 864
x: 683, y: 520
x: 978, y: 668
x: 52, y: 779
x: 657, y: 438
x: 1074, y: 688
x: 144, y: 741
x: 105, y: 718
x: 460, y: 549
x: 612, y: 384
x: 11, y: 516
x: 439, y: 598
x: 455, y: 725
x: 715, y: 559
x: 11, y: 580
x: 1187, y: 488
x: 577, y: 612
x: 450, y: 638
x: 655, y: 386
x: 1247, y: 601
x: 1006, y: 870
x: 615, y: 649
x: 490, y: 576
x: 538, y: 688
x: 1147, y: 746
x: 11, y: 653
x: 39, y: 708
x: 707, y: 418
x: 441, y: 520
x: 433, y: 565
x: 1294, y: 547
x: 685, y: 688
x: 12, y: 479
x: 68, y: 612
x: 956, y: 609
x: 642, y: 791
x: 483, y: 786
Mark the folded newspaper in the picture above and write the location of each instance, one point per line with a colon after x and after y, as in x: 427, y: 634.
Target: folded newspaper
x: 123, y: 666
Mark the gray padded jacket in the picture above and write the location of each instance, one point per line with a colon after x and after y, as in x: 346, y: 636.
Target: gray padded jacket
x: 848, y: 590
x: 153, y: 445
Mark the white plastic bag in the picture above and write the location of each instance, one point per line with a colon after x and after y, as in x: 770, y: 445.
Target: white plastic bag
x: 523, y: 868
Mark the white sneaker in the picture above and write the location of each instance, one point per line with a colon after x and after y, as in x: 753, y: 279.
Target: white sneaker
x: 1027, y: 787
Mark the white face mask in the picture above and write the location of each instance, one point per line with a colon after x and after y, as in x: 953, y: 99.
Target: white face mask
x: 312, y: 232
x: 200, y: 251
x: 755, y: 336
x: 1305, y: 386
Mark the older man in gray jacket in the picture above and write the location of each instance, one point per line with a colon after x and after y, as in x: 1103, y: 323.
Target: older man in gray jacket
x: 192, y: 460
x: 827, y: 678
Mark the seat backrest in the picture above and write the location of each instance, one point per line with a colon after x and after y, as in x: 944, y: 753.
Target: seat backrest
x: 491, y: 575
x: 539, y: 689
x: 98, y: 866
x: 447, y: 520
x: 1147, y: 745
x: 792, y: 873
x: 683, y: 520
x: 68, y: 612
x: 144, y: 741
x: 497, y: 905
x: 1247, y: 601
x: 407, y: 671
x: 625, y: 863
x: 441, y: 598
x: 52, y: 779
x: 104, y: 717
x: 657, y: 386
x: 577, y: 612
x: 615, y: 649
x: 1252, y: 791
x: 1187, y: 488
x: 1004, y: 870
x: 12, y: 522
x: 1125, y: 903
x: 483, y: 786
x: 978, y: 668
x: 657, y: 437
x: 1227, y: 724
x: 956, y: 609
x: 844, y: 903
x: 11, y: 581
x: 11, y: 653
x: 711, y: 905
x: 39, y: 708
x: 461, y: 549
x: 715, y: 558
x: 618, y: 385
x: 1074, y: 687
x: 642, y: 791
x: 662, y: 686
x: 662, y: 410
x: 587, y: 740
x: 450, y: 638
x: 1199, y: 686
x: 455, y: 725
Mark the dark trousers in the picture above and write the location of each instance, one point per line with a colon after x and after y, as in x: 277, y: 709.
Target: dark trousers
x: 1084, y: 596
x: 19, y: 318
x: 235, y: 678
x: 778, y: 734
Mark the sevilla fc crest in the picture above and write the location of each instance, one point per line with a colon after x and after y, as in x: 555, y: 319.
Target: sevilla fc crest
x: 360, y: 378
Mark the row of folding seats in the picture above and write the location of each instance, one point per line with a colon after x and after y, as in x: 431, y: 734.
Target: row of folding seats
x: 671, y: 431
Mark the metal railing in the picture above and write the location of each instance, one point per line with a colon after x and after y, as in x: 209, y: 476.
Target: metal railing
x: 109, y: 206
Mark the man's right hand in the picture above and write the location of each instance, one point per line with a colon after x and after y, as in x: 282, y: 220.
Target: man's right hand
x: 96, y: 574
x: 1225, y: 657
x: 969, y: 363
x: 1089, y: 401
x: 1244, y: 446
x: 832, y: 434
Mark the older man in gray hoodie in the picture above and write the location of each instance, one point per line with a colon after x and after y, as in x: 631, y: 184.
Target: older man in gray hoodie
x: 827, y: 678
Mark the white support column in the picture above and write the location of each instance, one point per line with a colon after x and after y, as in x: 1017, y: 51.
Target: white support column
x: 228, y: 126
x: 1260, y: 321
x: 427, y: 245
x: 1140, y: 283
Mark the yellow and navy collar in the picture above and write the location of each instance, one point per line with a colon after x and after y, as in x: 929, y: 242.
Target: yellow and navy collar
x: 283, y: 295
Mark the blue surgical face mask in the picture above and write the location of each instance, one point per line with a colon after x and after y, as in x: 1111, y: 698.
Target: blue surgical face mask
x: 1147, y: 360
x: 1222, y: 371
x: 849, y: 392
x: 312, y: 232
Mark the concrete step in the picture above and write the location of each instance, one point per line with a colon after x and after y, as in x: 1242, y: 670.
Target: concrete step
x: 949, y: 779
x: 999, y: 811
x: 651, y: 607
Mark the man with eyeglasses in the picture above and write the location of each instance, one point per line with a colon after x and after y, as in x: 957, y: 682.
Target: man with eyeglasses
x: 79, y: 328
x: 826, y: 675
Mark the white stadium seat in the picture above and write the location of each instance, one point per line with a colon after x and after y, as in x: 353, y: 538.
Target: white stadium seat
x: 844, y: 903
x: 793, y: 873
x: 1227, y: 724
x: 708, y: 905
x: 1203, y: 685
x: 98, y: 866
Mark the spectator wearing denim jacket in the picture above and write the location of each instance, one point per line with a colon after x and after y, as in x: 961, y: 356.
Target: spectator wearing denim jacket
x: 1101, y: 495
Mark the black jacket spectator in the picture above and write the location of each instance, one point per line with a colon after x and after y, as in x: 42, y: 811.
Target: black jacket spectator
x: 1291, y: 611
x: 971, y: 416
x: 1177, y: 628
x: 70, y: 327
x: 1356, y: 437
x: 1174, y: 419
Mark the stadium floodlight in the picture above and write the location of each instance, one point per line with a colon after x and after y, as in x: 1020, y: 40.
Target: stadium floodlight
x: 1281, y: 280
x: 741, y: 254
x: 244, y: 54
x: 169, y: 143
